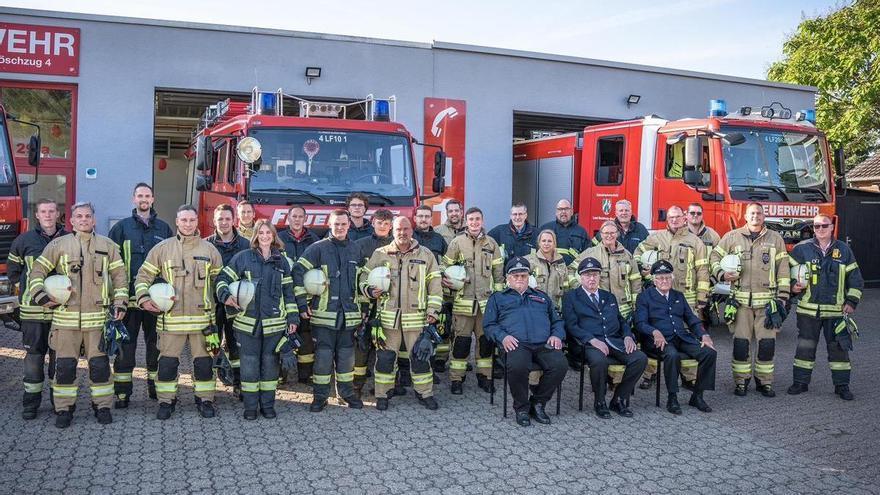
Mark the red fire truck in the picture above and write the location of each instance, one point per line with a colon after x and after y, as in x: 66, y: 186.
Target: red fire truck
x: 761, y: 154
x: 11, y: 219
x: 254, y: 151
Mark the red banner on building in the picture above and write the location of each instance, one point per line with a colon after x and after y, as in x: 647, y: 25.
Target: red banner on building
x: 49, y: 50
x: 445, y: 126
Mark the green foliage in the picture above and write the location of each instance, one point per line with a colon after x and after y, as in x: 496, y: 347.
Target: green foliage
x: 840, y: 54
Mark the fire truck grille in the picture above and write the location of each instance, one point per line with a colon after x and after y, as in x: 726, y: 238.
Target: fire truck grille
x: 8, y: 233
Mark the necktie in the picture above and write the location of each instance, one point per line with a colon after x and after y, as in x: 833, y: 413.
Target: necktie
x: 595, y: 299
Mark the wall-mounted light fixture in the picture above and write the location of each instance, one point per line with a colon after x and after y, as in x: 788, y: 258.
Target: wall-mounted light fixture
x: 632, y: 100
x: 312, y: 73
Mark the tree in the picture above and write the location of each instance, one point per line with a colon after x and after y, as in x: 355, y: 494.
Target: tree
x: 840, y: 54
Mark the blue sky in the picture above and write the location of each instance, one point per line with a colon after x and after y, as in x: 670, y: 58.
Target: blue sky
x: 734, y: 37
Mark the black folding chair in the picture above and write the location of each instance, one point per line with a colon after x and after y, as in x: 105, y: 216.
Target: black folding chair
x: 583, y: 369
x: 535, y: 367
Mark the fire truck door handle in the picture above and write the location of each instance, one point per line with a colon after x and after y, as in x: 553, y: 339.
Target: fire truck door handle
x: 661, y: 215
x: 712, y: 197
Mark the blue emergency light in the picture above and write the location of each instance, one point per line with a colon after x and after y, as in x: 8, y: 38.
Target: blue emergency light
x: 382, y: 111
x: 811, y: 116
x: 268, y: 101
x: 717, y: 108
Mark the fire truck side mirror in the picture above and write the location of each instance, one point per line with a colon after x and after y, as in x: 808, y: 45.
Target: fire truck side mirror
x: 33, y: 151
x: 204, y: 153
x: 693, y: 153
x: 693, y: 177
x: 839, y: 162
x: 438, y: 185
x: 203, y: 183
x: 439, y: 164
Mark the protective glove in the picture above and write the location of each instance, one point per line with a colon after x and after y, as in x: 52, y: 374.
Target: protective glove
x: 118, y: 312
x: 212, y: 339
x: 730, y: 308
x: 845, y: 332
x: 224, y: 369
x: 361, y: 337
x: 433, y: 333
x: 423, y: 349
x: 774, y: 315
x: 286, y: 350
x: 376, y: 332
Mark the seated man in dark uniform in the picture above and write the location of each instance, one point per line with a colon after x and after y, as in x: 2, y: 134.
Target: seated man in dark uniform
x: 592, y: 317
x: 525, y: 323
x: 670, y: 328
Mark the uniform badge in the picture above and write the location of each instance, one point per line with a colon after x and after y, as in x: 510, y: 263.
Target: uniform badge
x: 766, y: 258
x: 835, y: 253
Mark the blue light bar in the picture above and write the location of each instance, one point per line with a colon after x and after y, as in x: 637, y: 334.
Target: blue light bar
x: 811, y: 116
x: 717, y: 108
x: 268, y: 101
x: 382, y: 112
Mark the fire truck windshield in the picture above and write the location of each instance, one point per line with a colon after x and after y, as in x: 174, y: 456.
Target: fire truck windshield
x: 776, y: 165
x: 314, y: 162
x: 6, y: 174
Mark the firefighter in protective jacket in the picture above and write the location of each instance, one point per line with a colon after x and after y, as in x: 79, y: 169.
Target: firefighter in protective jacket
x: 830, y: 293
x: 482, y: 259
x: 190, y: 264
x: 99, y: 286
x: 763, y: 280
x: 413, y: 300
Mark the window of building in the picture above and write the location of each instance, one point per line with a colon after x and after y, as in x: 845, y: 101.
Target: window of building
x: 609, y: 161
x: 49, y: 108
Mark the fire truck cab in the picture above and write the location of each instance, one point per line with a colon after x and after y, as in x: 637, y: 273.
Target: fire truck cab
x: 12, y: 222
x: 254, y: 151
x: 723, y: 162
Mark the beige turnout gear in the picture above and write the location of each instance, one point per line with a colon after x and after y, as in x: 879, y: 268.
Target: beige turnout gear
x: 98, y: 280
x: 689, y: 258
x: 764, y: 276
x: 551, y: 275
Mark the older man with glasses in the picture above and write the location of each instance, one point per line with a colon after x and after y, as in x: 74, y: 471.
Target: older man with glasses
x: 824, y: 305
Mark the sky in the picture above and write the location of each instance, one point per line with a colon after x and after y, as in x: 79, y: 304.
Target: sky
x: 731, y: 37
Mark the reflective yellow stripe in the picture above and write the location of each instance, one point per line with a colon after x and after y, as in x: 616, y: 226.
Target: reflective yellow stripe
x: 268, y: 386
x: 840, y: 366
x: 345, y: 377
x: 803, y: 363
x: 384, y: 378
x: 763, y: 368
x: 101, y: 390
x: 250, y: 386
x: 122, y: 377
x: 204, y: 385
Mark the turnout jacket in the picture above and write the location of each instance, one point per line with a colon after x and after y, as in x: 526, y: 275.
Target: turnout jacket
x: 571, y: 238
x: 765, y: 268
x: 620, y: 274
x: 295, y: 246
x: 708, y: 235
x: 415, y: 292
x: 339, y: 260
x: 97, y: 276
x: 515, y: 243
x: 484, y: 264
x: 585, y: 321
x: 529, y: 317
x: 274, y: 305
x: 449, y: 231
x: 672, y: 316
x: 25, y: 249
x: 190, y: 264
x: 834, y: 278
x: 357, y: 233
x: 690, y: 261
x: 432, y: 240
x: 551, y: 275
x: 228, y: 249
x: 135, y: 239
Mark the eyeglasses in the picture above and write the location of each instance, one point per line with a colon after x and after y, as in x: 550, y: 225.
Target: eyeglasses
x: 695, y: 213
x: 563, y: 208
x: 356, y: 205
x: 822, y: 225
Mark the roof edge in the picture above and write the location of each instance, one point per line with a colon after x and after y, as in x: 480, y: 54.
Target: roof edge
x: 443, y: 45
x: 112, y: 19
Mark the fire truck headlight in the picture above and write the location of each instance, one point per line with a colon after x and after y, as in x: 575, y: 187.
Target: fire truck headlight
x: 249, y: 150
x: 5, y: 287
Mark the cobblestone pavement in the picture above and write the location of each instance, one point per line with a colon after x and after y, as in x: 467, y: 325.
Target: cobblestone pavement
x: 813, y: 443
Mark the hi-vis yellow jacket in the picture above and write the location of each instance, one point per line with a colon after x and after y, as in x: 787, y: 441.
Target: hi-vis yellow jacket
x: 415, y: 292
x: 484, y: 263
x: 190, y: 264
x: 765, y: 272
x: 690, y: 261
x: 97, y: 276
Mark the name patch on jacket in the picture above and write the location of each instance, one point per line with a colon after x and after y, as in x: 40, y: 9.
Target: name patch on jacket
x: 202, y: 258
x: 538, y: 299
x: 418, y: 262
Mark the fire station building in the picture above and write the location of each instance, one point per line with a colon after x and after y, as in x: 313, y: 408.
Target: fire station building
x: 118, y: 100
